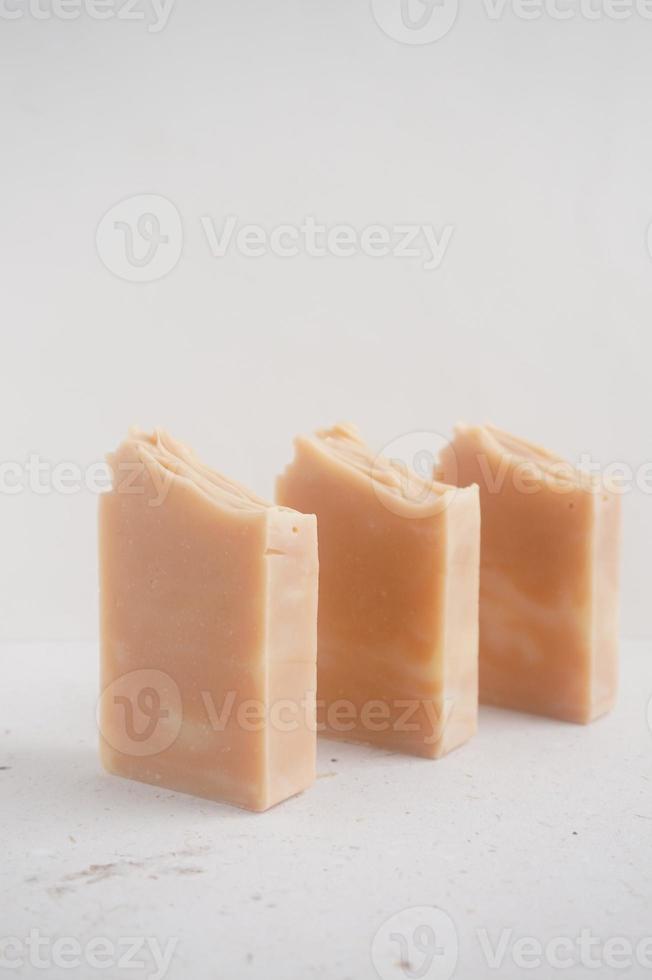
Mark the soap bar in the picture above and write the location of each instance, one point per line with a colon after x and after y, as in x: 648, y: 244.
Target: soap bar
x: 208, y: 630
x: 549, y: 576
x: 398, y: 596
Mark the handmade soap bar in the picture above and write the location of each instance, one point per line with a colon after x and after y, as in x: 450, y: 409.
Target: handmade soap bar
x: 549, y: 576
x: 398, y: 596
x: 208, y: 630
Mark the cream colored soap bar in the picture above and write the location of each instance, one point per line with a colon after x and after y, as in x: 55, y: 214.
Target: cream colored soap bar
x: 208, y: 630
x: 398, y: 596
x: 549, y: 576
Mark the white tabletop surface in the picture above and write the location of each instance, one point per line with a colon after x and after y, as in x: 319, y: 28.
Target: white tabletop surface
x: 535, y: 830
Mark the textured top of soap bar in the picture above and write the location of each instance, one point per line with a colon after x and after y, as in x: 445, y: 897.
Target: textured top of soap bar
x: 167, y: 460
x: 548, y: 465
x: 402, y: 489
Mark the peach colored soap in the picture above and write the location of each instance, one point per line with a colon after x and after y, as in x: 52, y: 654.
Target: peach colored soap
x: 549, y: 576
x: 208, y: 630
x: 398, y: 596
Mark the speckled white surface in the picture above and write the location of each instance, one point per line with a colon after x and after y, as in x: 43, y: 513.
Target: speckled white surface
x: 536, y: 827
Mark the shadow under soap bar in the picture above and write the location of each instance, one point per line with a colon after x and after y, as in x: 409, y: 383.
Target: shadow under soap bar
x: 208, y: 630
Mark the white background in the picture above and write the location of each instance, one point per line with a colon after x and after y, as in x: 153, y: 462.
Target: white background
x: 532, y: 138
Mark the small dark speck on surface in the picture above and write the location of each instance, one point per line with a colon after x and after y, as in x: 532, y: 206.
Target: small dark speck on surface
x: 574, y: 833
x: 334, y: 760
x: 256, y: 897
x: 58, y: 891
x: 3, y: 768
